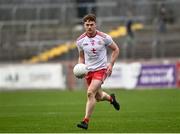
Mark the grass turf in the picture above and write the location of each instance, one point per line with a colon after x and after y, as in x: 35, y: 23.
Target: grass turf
x: 50, y: 111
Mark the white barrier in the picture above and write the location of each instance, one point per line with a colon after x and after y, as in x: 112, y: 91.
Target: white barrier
x: 50, y: 76
x: 38, y: 76
x: 123, y: 76
x: 138, y: 75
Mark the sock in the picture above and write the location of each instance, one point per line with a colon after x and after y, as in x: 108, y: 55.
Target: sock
x: 86, y: 120
x: 110, y: 99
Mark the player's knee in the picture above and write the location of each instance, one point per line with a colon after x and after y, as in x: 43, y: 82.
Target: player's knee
x: 90, y: 94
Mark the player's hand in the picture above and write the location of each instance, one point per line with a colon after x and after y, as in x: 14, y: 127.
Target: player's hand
x: 80, y: 77
x: 109, y: 69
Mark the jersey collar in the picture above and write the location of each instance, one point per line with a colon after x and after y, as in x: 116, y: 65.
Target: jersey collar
x: 91, y: 36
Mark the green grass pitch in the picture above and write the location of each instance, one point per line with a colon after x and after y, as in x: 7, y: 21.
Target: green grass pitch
x: 52, y: 111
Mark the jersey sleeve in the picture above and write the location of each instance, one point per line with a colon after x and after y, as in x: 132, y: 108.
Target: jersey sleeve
x: 108, y: 40
x: 79, y: 46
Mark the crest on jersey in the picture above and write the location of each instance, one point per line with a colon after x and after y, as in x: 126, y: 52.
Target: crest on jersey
x: 92, y: 42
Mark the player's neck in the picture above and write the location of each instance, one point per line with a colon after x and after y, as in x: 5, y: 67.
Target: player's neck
x: 91, y: 35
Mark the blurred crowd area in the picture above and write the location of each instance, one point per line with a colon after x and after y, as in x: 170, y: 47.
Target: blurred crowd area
x: 31, y: 27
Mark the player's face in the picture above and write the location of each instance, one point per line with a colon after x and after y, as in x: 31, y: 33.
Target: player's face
x: 90, y: 27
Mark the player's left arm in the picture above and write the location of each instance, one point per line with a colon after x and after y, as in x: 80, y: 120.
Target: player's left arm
x: 114, y: 55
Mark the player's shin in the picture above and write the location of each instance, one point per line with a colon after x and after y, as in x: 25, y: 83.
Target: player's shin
x: 91, y: 101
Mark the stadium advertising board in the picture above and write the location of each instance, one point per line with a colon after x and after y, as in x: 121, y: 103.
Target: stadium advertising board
x: 157, y: 76
x: 123, y: 76
x: 39, y: 76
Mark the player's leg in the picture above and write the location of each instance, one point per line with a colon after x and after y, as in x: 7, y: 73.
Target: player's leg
x: 91, y: 101
x: 102, y: 96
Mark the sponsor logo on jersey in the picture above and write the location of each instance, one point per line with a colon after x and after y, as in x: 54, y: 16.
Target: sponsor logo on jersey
x: 85, y: 44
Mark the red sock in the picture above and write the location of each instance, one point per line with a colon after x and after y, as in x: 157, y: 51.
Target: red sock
x: 110, y: 99
x: 86, y: 120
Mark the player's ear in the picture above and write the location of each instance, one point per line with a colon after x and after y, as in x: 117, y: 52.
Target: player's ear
x: 95, y: 25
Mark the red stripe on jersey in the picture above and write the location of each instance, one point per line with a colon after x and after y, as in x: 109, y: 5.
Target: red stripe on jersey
x: 81, y: 36
x: 101, y: 34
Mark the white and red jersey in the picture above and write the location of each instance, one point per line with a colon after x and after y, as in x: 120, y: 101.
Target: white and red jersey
x: 95, y: 50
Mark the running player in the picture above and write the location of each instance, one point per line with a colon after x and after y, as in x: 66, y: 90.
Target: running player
x: 92, y: 47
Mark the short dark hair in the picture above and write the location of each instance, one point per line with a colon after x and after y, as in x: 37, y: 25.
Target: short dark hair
x: 89, y: 17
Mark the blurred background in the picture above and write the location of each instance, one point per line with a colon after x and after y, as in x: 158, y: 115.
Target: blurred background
x: 38, y: 51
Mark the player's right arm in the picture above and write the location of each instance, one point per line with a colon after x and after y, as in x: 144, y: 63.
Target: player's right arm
x: 81, y: 57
